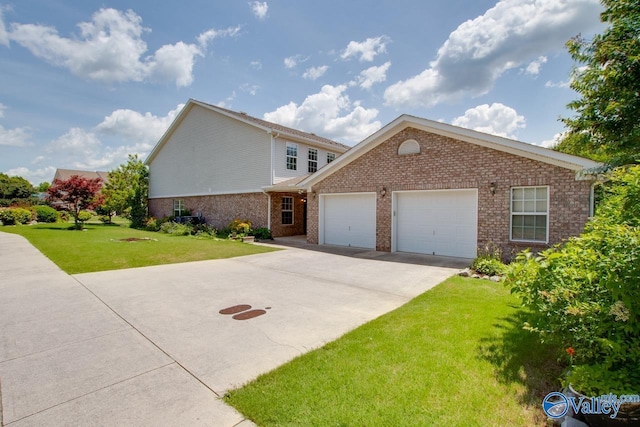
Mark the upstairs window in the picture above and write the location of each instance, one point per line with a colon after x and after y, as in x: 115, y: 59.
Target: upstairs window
x: 292, y: 156
x: 313, y: 160
x: 287, y: 210
x: 530, y: 214
x: 331, y: 157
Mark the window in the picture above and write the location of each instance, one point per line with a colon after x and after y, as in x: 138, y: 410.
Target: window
x: 313, y: 160
x: 530, y: 214
x: 292, y: 156
x: 287, y: 210
x: 178, y: 207
x: 331, y: 157
x: 410, y: 146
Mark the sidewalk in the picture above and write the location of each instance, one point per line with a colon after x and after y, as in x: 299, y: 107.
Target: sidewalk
x: 67, y: 359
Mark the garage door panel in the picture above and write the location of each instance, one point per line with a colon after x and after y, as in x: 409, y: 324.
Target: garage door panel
x: 350, y: 220
x: 437, y: 222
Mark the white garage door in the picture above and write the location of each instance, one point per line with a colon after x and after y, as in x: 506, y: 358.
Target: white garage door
x: 349, y: 220
x: 437, y: 222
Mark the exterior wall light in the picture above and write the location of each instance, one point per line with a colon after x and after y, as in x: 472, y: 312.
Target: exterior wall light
x: 492, y: 188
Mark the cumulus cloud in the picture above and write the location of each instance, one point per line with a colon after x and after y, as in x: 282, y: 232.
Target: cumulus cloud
x: 110, y: 49
x: 563, y: 84
x: 495, y: 119
x: 36, y: 176
x: 259, y: 9
x: 511, y: 33
x: 315, y: 73
x: 373, y: 75
x: 17, y: 137
x: 550, y: 143
x: 4, y: 36
x: 367, y: 50
x: 293, y: 61
x: 533, y: 69
x: 329, y: 113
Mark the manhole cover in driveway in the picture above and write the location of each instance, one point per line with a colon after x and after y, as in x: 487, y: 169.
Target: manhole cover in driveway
x: 235, y: 309
x: 249, y: 314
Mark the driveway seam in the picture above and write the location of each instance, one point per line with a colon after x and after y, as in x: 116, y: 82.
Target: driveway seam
x: 145, y: 337
x: 91, y: 392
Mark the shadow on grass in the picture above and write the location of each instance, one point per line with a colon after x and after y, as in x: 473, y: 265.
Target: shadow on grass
x: 520, y: 358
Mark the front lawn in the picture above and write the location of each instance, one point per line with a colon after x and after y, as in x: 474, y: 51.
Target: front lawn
x: 110, y: 247
x: 454, y: 356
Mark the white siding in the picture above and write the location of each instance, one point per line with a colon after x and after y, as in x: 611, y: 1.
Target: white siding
x: 209, y: 153
x: 281, y: 173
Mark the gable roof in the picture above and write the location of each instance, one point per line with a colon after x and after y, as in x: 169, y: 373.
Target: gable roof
x: 64, y: 174
x: 269, y: 127
x: 405, y: 121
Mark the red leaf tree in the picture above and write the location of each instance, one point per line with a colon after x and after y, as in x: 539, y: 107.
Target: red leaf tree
x: 76, y: 193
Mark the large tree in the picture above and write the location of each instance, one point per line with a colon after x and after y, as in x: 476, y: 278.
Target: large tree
x: 127, y: 190
x: 14, y: 188
x: 76, y: 194
x: 606, y: 125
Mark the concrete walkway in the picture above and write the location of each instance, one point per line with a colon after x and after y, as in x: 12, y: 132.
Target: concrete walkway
x: 148, y: 346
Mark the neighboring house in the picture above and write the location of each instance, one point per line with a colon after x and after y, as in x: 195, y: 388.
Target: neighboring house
x: 226, y: 165
x: 414, y: 186
x: 64, y: 174
x: 427, y: 187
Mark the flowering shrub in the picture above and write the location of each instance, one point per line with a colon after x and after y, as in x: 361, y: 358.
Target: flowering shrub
x: 585, y: 294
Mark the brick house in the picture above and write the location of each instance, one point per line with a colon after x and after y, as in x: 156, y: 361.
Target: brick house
x: 427, y: 187
x: 226, y: 165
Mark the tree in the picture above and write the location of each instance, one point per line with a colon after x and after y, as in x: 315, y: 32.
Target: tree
x: 14, y: 188
x: 127, y: 190
x: 76, y: 193
x: 43, y: 187
x: 606, y: 126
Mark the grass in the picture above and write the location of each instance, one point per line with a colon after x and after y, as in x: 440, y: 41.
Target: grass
x: 103, y: 247
x: 456, y: 355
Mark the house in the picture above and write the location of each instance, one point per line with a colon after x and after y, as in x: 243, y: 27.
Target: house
x: 427, y: 187
x: 226, y: 165
x: 414, y: 186
x: 64, y: 174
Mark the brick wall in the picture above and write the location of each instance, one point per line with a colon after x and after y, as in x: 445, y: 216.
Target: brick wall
x: 446, y: 163
x: 218, y: 210
x: 297, y: 228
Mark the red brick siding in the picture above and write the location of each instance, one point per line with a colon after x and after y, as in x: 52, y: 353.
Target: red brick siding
x: 446, y: 163
x: 277, y: 228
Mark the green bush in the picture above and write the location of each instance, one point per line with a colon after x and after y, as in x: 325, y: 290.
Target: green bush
x: 46, y: 213
x: 11, y: 216
x: 84, y: 216
x: 488, y: 266
x: 261, y: 234
x: 176, y: 229
x: 240, y: 226
x: 585, y: 294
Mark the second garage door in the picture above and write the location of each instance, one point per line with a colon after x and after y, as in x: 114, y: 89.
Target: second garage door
x: 349, y: 220
x: 437, y: 222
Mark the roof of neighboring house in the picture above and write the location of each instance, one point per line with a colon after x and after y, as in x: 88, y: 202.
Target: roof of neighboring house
x: 511, y: 146
x: 290, y: 185
x: 64, y: 174
x: 271, y: 128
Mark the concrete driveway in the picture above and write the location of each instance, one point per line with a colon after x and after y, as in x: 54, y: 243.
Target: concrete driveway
x: 148, y: 346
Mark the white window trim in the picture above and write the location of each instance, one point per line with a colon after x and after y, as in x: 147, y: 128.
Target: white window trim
x: 331, y: 154
x: 180, y: 209
x: 310, y: 160
x: 292, y: 210
x: 294, y: 146
x: 511, y: 214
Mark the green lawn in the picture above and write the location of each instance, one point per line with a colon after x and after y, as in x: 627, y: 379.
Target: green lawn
x: 102, y: 247
x: 454, y: 356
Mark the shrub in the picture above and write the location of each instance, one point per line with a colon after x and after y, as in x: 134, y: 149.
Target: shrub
x: 176, y: 229
x: 488, y: 266
x: 46, y: 213
x: 152, y: 224
x: 585, y: 294
x: 240, y: 226
x: 64, y: 216
x: 261, y: 234
x: 11, y: 216
x: 84, y: 216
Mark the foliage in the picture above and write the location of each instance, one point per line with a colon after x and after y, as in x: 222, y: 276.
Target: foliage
x: 11, y: 216
x: 585, y: 294
x: 127, y: 191
x: 240, y: 226
x: 84, y: 216
x: 153, y: 224
x: 106, y: 212
x: 14, y: 187
x: 76, y: 194
x: 489, y: 261
x: 176, y: 229
x: 43, y: 187
x: 45, y: 213
x: 261, y: 234
x: 607, y: 76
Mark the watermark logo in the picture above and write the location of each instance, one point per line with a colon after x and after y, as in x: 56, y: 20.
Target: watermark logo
x: 556, y: 405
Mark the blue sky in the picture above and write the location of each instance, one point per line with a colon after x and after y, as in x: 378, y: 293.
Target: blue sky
x: 83, y: 84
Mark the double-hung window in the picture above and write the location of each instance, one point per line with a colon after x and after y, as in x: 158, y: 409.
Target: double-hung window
x: 313, y: 160
x: 530, y: 214
x: 292, y: 156
x: 178, y: 207
x: 331, y: 157
x: 287, y: 210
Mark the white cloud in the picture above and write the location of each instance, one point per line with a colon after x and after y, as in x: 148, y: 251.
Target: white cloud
x: 18, y: 137
x: 4, y: 36
x: 533, y: 69
x: 550, y: 143
x: 35, y: 177
x: 259, y: 9
x: 110, y: 49
x: 2, y: 108
x: 373, y: 75
x: 250, y: 89
x: 367, y: 49
x: 329, y: 113
x: 508, y: 35
x: 563, y: 84
x: 293, y: 61
x: 206, y: 37
x: 495, y: 119
x: 256, y: 65
x: 315, y: 73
